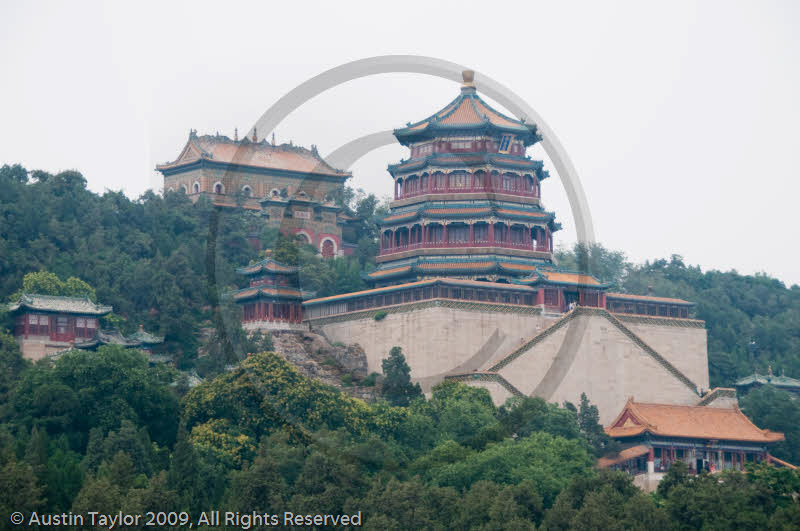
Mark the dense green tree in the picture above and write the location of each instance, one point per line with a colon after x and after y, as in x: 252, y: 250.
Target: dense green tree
x: 16, y: 173
x: 774, y: 409
x: 548, y: 461
x: 592, y: 430
x: 462, y: 413
x: 726, y: 501
x: 265, y: 393
x: 13, y: 364
x: 63, y: 477
x: 607, y: 500
x: 83, y: 390
x: 98, y: 494
x: 156, y: 497
x: 522, y: 416
x: 19, y: 490
x: 397, y: 387
x: 407, y: 505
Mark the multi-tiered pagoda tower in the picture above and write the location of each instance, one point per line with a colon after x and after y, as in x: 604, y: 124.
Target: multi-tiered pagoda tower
x: 467, y: 204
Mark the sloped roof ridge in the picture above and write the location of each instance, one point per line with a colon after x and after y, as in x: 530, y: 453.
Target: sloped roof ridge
x: 450, y: 107
x: 500, y: 114
x: 482, y: 116
x: 32, y: 299
x: 635, y: 407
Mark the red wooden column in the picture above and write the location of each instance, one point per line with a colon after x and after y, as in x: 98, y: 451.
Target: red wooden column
x: 271, y: 311
x: 528, y: 239
x: 444, y: 233
x: 471, y: 234
x: 540, y: 296
x: 491, y: 233
x: 425, y: 231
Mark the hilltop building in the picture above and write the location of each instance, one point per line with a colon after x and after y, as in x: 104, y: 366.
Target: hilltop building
x: 467, y: 203
x: 48, y: 324
x: 291, y: 186
x: 273, y: 300
x: 467, y: 284
x: 712, y: 436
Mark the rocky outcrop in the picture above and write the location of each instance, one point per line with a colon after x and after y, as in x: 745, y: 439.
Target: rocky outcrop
x: 336, y: 365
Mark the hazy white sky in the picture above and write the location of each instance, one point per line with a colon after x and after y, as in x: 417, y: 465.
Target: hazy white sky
x: 681, y: 118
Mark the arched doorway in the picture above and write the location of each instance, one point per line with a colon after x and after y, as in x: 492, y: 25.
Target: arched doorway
x: 328, y: 249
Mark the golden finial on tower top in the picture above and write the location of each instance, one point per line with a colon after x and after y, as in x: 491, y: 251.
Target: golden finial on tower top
x: 469, y: 78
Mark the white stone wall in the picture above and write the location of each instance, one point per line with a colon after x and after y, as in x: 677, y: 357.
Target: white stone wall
x: 684, y: 347
x: 436, y: 340
x: 268, y: 326
x: 606, y: 364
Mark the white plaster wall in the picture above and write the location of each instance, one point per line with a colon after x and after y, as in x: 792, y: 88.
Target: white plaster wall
x: 607, y: 366
x: 686, y: 348
x: 435, y: 340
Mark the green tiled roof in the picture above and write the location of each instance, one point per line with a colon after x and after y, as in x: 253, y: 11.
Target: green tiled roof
x: 115, y: 337
x: 145, y: 338
x: 267, y: 265
x: 57, y: 304
x: 768, y: 379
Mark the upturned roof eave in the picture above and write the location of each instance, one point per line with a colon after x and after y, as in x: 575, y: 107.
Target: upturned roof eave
x: 26, y: 303
x: 405, y: 136
x: 171, y: 169
x: 652, y: 430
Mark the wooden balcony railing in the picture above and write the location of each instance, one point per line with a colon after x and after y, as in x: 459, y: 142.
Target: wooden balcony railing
x: 405, y: 194
x: 475, y: 243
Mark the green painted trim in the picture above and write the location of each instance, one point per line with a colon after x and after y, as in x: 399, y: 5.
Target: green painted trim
x: 660, y: 321
x: 717, y: 393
